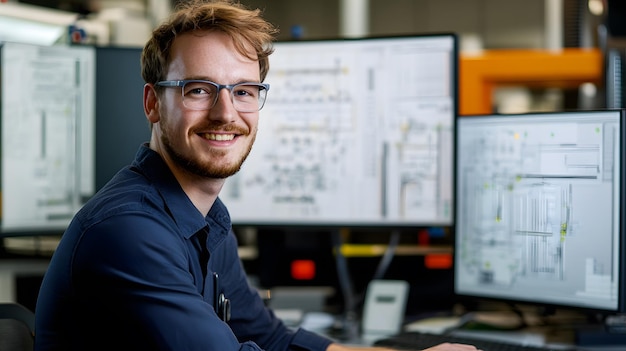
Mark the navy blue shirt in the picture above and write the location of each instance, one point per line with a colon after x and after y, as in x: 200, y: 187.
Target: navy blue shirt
x: 134, y: 271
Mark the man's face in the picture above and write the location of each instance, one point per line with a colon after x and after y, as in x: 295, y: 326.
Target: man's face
x: 212, y: 143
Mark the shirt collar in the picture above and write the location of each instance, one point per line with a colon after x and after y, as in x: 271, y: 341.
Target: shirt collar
x: 182, y: 210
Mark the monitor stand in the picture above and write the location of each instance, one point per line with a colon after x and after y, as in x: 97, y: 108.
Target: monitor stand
x: 348, y: 325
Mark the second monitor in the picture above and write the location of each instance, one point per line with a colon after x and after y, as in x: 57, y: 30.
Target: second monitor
x: 539, y: 208
x: 354, y: 132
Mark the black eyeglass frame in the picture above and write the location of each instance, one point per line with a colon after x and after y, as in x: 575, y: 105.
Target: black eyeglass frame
x: 182, y: 82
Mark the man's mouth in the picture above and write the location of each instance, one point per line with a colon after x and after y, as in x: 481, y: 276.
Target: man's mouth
x: 219, y: 137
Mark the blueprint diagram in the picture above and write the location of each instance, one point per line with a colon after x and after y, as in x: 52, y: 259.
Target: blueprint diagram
x: 48, y: 167
x: 352, y: 132
x: 537, y: 205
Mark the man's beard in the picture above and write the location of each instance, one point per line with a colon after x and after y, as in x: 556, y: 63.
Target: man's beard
x: 197, y: 167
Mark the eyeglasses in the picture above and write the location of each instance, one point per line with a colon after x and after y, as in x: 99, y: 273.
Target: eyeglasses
x: 203, y: 94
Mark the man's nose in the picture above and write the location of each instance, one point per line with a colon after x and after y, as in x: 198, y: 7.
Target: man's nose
x: 224, y: 108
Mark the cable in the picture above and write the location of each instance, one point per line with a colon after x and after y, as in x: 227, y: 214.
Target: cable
x: 345, y: 283
x: 385, y: 261
x: 349, y: 324
x: 351, y: 299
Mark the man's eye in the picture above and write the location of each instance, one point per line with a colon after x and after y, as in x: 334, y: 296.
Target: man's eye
x: 198, y: 91
x: 247, y: 91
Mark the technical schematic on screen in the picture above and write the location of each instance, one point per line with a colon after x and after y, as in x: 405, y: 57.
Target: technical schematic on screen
x: 538, y: 208
x: 355, y: 131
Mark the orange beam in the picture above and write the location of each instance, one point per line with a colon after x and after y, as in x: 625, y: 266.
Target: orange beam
x: 566, y: 68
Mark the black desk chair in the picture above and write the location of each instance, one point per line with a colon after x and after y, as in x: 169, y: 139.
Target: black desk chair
x: 17, y: 327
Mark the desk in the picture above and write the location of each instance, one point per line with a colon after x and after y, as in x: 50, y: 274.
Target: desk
x: 564, y: 329
x: 559, y: 333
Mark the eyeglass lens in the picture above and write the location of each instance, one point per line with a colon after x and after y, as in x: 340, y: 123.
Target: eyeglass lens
x: 203, y: 96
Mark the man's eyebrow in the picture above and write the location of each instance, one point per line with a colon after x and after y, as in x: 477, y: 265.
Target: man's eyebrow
x: 212, y: 80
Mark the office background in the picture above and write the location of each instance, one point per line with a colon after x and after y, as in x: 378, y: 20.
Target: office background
x: 493, y: 23
x: 482, y: 25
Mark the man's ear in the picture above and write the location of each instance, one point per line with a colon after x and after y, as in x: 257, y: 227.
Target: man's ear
x: 150, y: 103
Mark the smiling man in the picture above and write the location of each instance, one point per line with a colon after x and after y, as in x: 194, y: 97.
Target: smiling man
x: 150, y: 262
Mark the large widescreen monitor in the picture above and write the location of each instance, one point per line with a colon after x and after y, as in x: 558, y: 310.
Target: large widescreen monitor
x: 354, y: 132
x: 539, y: 208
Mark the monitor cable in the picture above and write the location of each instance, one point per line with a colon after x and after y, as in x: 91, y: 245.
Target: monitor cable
x: 349, y: 324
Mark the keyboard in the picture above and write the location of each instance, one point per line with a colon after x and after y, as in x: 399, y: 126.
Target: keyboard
x: 420, y: 340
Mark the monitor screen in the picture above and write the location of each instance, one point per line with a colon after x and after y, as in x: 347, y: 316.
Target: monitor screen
x: 47, y: 132
x: 354, y: 132
x: 539, y: 207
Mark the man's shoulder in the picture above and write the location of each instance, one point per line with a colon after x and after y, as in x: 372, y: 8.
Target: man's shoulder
x: 123, y: 194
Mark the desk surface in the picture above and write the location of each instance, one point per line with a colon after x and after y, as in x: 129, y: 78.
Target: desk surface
x: 561, y: 333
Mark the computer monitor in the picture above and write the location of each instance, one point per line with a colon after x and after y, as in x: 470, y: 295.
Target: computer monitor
x: 354, y: 132
x: 539, y: 208
x: 47, y: 125
x: 71, y: 117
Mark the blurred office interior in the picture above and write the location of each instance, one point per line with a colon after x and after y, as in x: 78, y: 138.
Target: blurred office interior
x: 555, y: 30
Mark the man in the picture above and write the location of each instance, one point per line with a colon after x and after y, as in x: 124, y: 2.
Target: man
x: 150, y: 262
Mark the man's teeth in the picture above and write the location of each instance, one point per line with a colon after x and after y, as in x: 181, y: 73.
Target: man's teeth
x: 220, y: 137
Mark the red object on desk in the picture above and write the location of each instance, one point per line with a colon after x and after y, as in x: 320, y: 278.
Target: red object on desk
x: 302, y: 269
x: 438, y: 261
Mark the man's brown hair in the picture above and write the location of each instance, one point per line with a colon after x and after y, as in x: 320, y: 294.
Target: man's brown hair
x: 245, y: 26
